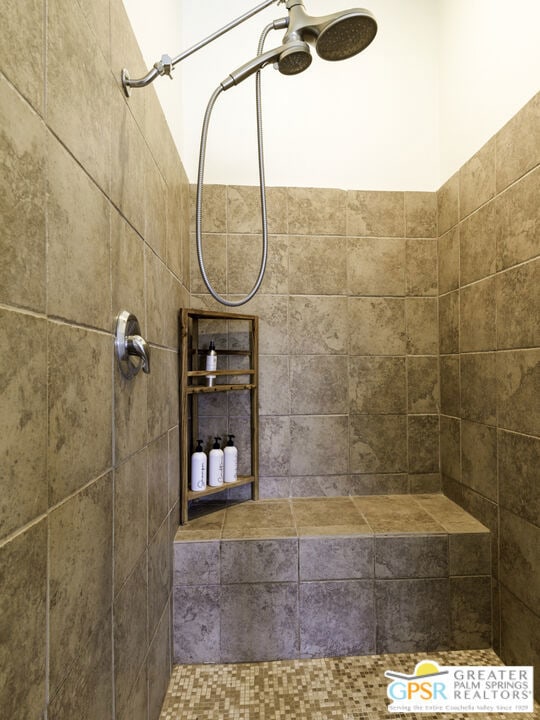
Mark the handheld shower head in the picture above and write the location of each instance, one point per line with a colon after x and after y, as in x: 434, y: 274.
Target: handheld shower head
x: 336, y: 37
x: 295, y: 58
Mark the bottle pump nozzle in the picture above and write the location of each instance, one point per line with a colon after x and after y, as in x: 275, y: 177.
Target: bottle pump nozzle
x: 216, y: 444
x: 230, y: 443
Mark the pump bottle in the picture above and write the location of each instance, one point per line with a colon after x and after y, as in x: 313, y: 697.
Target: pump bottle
x: 198, y: 469
x: 231, y: 461
x: 215, y: 470
x: 211, y: 363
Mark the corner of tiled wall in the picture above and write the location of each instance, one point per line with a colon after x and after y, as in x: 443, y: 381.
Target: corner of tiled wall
x: 94, y: 203
x: 489, y: 314
x: 349, y: 395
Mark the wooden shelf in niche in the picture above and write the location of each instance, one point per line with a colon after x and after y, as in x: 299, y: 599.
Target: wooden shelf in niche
x: 196, y: 329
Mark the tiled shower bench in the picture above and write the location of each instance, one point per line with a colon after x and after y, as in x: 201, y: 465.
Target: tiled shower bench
x: 320, y: 577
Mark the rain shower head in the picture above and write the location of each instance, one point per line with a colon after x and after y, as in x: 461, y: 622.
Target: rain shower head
x: 336, y: 37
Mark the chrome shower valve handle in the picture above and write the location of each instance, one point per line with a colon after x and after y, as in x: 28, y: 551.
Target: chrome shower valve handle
x: 130, y: 344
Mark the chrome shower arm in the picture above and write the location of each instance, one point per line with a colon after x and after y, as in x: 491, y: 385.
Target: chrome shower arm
x: 166, y: 64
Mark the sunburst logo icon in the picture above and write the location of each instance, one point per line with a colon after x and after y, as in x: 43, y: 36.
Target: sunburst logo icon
x: 425, y: 684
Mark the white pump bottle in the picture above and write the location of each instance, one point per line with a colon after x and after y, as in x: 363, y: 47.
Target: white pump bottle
x: 215, y: 470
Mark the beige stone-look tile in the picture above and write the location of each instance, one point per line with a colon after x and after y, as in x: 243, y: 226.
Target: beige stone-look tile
x: 518, y: 144
x: 273, y: 313
x: 389, y: 514
x: 159, y: 664
x: 126, y: 53
x: 130, y: 632
x: 479, y: 388
x: 130, y: 515
x: 378, y: 443
x: 450, y: 447
x: 244, y: 209
x: 163, y: 299
x: 23, y: 27
x: 326, y: 558
x: 274, y: 445
x: 319, y: 384
x: 80, y: 93
x: 23, y: 423
x: 518, y: 221
x: 136, y: 707
x: 318, y: 325
x: 174, y: 466
x: 518, y: 463
x: 158, y: 481
x: 22, y: 201
x: 423, y: 443
x: 317, y: 211
x: 451, y: 516
x: 449, y: 323
x: 214, y: 252
x: 469, y: 554
x: 449, y: 260
x: 422, y: 384
x: 177, y: 225
x: 376, y: 266
x: 159, y: 576
x: 253, y: 561
x: 411, y: 556
x: 518, y: 380
x: 80, y: 573
x: 258, y: 621
x: 426, y: 627
x: 214, y: 208
x: 518, y: 306
x: 336, y: 618
x: 377, y: 385
x: 425, y: 483
x: 78, y: 251
x: 162, y: 400
x: 450, y: 385
x: 23, y: 575
x: 319, y: 445
x: 379, y: 484
x: 377, y: 326
x: 470, y: 612
x: 447, y: 204
x: 422, y: 325
x: 274, y: 392
x: 421, y: 266
x: 520, y: 633
x: 320, y: 486
x: 520, y: 556
x: 421, y: 214
x: 478, y: 244
x: 477, y: 329
x: 323, y: 512
x: 477, y: 179
x: 128, y: 165
x: 89, y: 684
x: 375, y: 214
x: 80, y: 408
x: 479, y: 458
x: 264, y: 513
x: 318, y: 265
x: 97, y: 17
x: 127, y: 269
x: 155, y: 207
x: 130, y: 412
x: 244, y: 254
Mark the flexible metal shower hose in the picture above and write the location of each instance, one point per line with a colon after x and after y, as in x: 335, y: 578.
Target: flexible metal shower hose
x: 200, y: 178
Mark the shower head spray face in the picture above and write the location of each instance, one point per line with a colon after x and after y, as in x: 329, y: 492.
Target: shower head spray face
x: 336, y: 37
x: 295, y: 58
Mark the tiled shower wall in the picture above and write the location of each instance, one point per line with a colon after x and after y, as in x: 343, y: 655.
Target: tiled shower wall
x: 349, y: 395
x: 489, y: 280
x: 92, y: 196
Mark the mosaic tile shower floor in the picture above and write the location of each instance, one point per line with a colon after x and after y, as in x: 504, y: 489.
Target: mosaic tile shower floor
x: 344, y: 688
